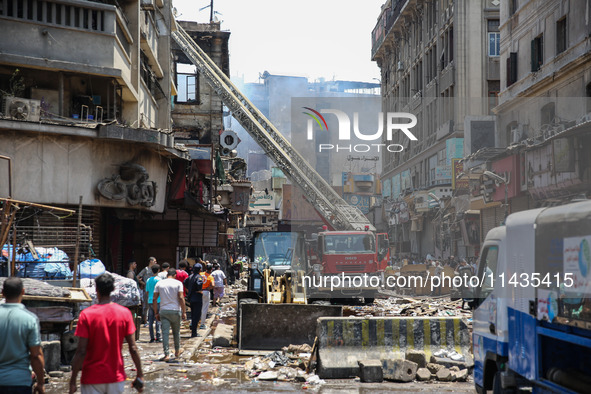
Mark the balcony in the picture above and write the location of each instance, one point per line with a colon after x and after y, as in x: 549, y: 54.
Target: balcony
x: 68, y: 35
x: 149, y: 42
x: 385, y: 23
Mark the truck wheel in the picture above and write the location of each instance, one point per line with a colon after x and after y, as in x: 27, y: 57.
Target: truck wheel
x: 497, y: 387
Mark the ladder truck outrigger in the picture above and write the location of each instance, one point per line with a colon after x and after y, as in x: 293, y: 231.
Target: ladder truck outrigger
x: 348, y: 248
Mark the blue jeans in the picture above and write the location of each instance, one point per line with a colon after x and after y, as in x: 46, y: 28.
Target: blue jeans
x: 170, y: 319
x: 151, y: 321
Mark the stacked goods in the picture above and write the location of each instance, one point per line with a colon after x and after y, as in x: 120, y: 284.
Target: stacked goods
x: 38, y: 288
x: 126, y: 292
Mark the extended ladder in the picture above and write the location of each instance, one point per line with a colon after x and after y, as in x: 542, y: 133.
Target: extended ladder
x: 335, y: 211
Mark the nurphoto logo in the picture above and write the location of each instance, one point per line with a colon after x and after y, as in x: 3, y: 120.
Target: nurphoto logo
x: 344, y: 130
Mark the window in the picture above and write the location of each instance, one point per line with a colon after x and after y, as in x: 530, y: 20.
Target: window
x: 187, y: 81
x: 537, y: 53
x: 561, y: 42
x: 512, y: 69
x: 488, y: 270
x: 513, y: 6
x: 493, y: 92
x: 432, y: 167
x: 494, y: 44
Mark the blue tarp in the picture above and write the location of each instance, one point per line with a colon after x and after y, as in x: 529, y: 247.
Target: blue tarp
x: 53, y: 263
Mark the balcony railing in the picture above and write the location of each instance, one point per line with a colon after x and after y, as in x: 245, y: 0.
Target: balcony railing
x: 384, y: 25
x: 72, y: 14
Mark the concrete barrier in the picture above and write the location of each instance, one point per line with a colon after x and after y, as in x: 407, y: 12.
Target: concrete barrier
x: 344, y: 341
x: 273, y: 326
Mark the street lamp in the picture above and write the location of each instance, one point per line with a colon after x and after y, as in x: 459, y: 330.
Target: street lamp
x: 499, y: 178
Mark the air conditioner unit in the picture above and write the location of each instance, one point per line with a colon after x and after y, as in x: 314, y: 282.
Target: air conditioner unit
x: 400, y: 66
x: 21, y: 108
x: 517, y: 134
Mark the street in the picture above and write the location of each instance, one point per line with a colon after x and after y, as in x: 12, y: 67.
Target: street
x: 203, y: 368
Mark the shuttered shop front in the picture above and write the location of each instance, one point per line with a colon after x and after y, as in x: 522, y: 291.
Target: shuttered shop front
x: 197, y: 231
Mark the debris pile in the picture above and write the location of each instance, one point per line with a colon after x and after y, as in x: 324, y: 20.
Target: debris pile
x: 447, y: 366
x: 406, y: 306
x: 287, y: 365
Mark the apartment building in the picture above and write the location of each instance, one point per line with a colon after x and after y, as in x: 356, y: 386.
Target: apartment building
x: 439, y: 60
x: 87, y: 95
x: 542, y: 136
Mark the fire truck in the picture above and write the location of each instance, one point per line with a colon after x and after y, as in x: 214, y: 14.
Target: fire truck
x: 361, y: 254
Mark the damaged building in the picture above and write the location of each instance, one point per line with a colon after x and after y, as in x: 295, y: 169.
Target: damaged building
x: 87, y: 90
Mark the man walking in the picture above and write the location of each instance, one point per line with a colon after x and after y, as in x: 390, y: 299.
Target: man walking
x: 194, y: 287
x: 219, y: 281
x: 142, y: 278
x: 207, y: 289
x: 21, y: 343
x: 172, y: 308
x: 164, y: 270
x: 101, y: 330
x: 131, y: 272
x: 150, y: 285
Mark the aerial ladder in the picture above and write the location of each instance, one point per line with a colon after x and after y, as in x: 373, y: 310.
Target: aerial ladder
x: 335, y: 212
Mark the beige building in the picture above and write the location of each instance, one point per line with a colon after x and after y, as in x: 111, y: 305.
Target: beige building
x: 440, y: 61
x: 544, y: 112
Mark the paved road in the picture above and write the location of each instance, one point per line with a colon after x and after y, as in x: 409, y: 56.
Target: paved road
x: 203, y: 369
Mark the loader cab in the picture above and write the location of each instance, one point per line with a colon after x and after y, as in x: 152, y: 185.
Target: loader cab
x: 279, y: 252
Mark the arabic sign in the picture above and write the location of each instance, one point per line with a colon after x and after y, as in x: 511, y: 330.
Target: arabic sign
x: 359, y: 201
x: 456, y: 169
x: 261, y: 200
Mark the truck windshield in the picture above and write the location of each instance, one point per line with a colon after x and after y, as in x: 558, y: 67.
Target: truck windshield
x: 275, y: 248
x: 349, y: 243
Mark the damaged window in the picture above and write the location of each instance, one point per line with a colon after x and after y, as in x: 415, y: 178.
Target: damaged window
x: 187, y: 80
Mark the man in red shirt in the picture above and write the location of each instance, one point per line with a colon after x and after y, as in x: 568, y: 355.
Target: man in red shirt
x: 101, y: 330
x: 181, y: 274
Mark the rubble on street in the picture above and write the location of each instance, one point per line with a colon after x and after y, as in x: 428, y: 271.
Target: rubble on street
x: 204, y: 361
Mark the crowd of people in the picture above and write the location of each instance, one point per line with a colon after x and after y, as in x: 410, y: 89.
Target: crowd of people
x: 103, y: 327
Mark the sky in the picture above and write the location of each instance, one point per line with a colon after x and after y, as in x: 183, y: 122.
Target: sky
x: 328, y: 39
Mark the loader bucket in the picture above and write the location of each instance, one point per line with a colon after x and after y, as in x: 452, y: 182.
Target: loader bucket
x: 273, y: 326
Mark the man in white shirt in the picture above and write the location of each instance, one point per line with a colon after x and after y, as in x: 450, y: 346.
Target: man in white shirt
x: 172, y: 309
x: 219, y: 281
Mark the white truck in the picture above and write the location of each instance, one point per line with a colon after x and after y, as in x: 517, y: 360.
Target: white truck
x: 532, y: 317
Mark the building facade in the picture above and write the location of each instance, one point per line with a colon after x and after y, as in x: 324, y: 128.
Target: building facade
x: 88, y: 90
x: 542, y: 135
x: 439, y: 60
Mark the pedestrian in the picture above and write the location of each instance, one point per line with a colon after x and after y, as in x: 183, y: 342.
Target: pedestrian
x: 237, y: 267
x: 172, y: 310
x: 21, y: 343
x: 219, y: 281
x: 181, y: 274
x: 101, y: 330
x: 194, y: 287
x: 150, y: 285
x: 142, y: 278
x: 164, y: 270
x: 207, y: 289
x: 131, y: 272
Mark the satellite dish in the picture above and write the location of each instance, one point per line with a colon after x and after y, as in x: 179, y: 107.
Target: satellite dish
x: 175, y: 12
